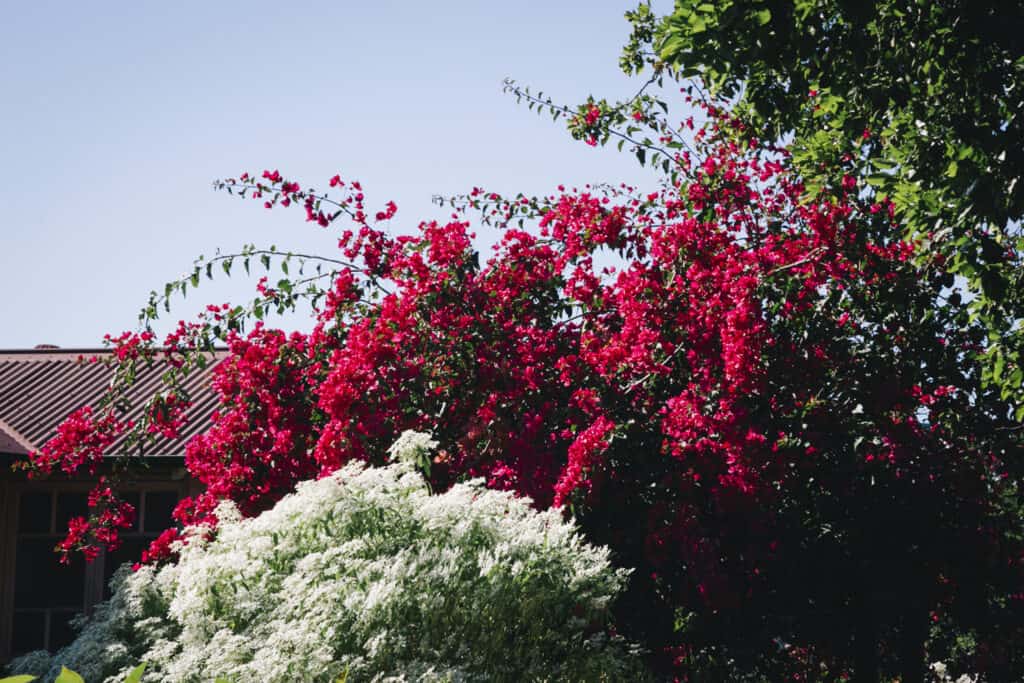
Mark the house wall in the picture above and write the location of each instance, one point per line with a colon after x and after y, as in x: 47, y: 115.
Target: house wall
x: 33, y: 585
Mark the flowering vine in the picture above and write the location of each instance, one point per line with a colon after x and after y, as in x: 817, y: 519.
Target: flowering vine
x: 766, y: 385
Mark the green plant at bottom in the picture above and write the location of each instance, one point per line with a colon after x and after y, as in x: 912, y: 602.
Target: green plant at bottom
x: 69, y: 676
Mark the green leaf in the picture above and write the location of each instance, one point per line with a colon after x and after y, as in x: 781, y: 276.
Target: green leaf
x: 136, y: 674
x: 673, y: 46
x: 951, y: 170
x: 18, y: 679
x: 998, y: 366
x: 763, y: 17
x: 68, y: 676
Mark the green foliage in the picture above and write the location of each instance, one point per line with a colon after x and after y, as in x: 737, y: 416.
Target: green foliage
x: 136, y: 674
x: 66, y: 675
x: 919, y: 100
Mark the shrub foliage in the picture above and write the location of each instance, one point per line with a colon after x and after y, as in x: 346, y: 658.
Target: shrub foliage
x: 366, y: 575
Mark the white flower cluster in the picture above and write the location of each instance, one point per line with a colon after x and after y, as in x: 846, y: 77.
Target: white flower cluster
x: 412, y: 448
x: 942, y: 675
x: 366, y: 573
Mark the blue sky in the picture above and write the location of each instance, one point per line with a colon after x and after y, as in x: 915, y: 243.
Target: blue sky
x: 116, y: 117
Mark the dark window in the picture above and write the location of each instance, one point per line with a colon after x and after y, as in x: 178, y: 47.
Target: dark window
x: 42, y: 582
x: 159, y: 506
x: 61, y: 631
x: 48, y: 595
x: 70, y: 505
x: 34, y: 513
x: 29, y: 632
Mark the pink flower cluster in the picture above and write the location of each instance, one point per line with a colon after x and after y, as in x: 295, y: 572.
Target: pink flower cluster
x: 679, y: 367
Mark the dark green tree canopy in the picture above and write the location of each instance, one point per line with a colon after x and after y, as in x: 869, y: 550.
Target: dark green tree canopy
x: 920, y: 98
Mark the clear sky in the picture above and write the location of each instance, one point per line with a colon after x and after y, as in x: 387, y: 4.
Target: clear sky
x: 115, y: 117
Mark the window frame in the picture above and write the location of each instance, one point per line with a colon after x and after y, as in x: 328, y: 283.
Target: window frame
x: 165, y: 480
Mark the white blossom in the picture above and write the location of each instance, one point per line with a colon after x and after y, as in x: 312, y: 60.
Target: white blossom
x: 942, y: 675
x: 366, y: 572
x: 412, y: 448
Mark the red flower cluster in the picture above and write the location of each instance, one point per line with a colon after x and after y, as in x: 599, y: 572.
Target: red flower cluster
x: 80, y: 442
x: 109, y: 516
x: 746, y: 384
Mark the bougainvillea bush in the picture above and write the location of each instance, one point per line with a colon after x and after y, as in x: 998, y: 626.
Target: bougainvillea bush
x: 760, y: 396
x: 366, y: 574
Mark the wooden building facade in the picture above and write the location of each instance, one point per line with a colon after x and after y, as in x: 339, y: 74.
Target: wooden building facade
x: 38, y: 595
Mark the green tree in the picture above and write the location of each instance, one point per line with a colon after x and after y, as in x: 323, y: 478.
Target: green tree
x: 921, y: 98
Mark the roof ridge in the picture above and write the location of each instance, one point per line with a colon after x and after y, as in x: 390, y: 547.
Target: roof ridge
x: 85, y: 352
x: 15, y: 436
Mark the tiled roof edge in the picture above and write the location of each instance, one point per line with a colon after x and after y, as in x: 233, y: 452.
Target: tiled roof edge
x: 9, y: 433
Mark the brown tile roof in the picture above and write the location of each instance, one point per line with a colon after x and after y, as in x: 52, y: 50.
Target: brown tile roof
x: 39, y: 388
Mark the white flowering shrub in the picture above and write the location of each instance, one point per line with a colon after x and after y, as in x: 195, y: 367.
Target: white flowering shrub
x: 942, y: 675
x: 368, y: 575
